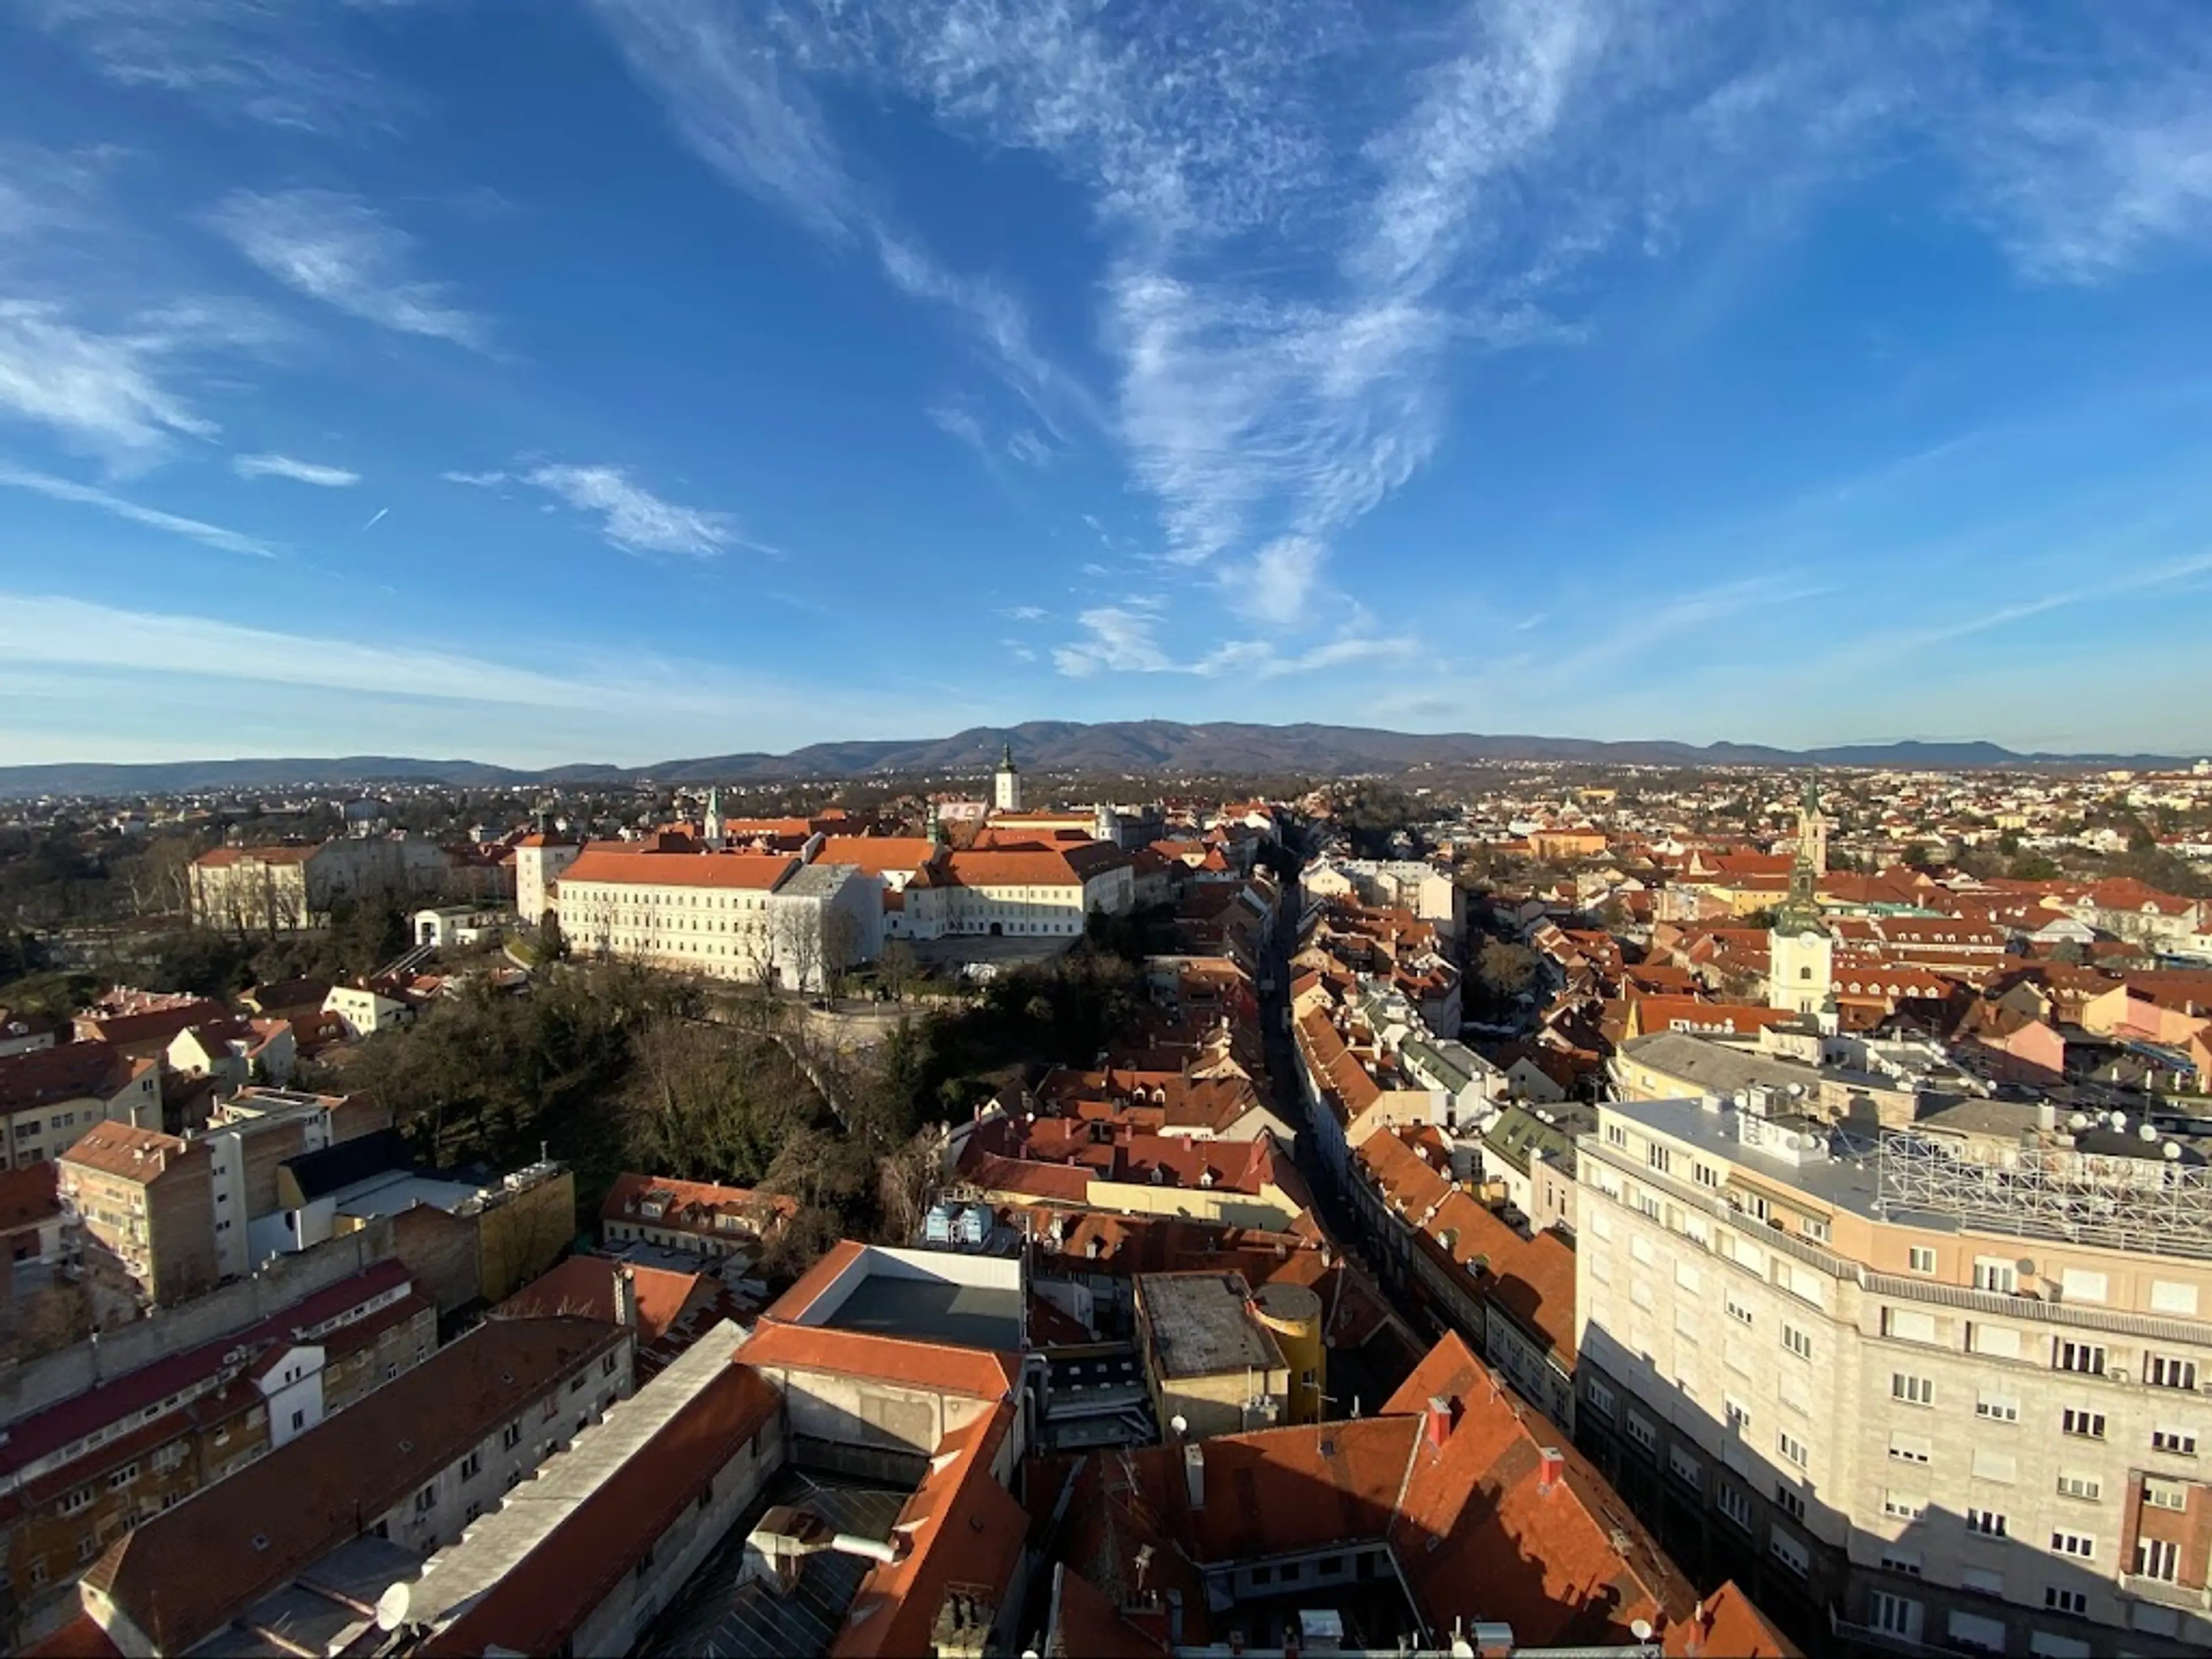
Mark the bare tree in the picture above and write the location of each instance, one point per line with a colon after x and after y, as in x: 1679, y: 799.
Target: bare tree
x: 895, y: 967
x: 800, y: 939
x: 841, y: 946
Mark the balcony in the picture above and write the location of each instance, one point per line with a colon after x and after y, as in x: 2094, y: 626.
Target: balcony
x: 2165, y: 1593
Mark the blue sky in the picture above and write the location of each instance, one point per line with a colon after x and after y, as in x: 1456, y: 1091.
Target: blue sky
x: 553, y: 379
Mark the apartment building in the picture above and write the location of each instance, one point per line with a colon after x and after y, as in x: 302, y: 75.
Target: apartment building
x: 412, y: 1465
x: 1943, y: 1390
x: 138, y: 1202
x: 120, y: 1443
x: 49, y: 1096
x: 287, y: 885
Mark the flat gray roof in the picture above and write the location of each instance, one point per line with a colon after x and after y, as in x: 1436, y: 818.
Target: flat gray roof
x: 1199, y: 1325
x: 1845, y: 1179
x: 932, y: 1310
x: 1721, y: 1069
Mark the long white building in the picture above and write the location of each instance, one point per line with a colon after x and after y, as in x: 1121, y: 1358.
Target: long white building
x: 1946, y: 1387
x: 725, y: 915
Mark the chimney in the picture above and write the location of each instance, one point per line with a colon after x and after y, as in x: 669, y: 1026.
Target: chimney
x: 626, y: 1297
x: 1193, y: 1473
x: 1552, y: 1466
x: 1438, y: 1420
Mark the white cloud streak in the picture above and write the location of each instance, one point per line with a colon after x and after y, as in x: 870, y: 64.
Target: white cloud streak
x: 740, y: 103
x: 335, y: 248
x: 1124, y: 638
x: 265, y: 61
x: 77, y: 494
x: 104, y: 394
x: 633, y: 518
x: 284, y: 466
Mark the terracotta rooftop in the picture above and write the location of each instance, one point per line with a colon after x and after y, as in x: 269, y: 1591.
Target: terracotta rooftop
x: 184, y: 1574
x: 118, y: 1149
x: 68, y: 1071
x: 748, y: 871
x: 585, y: 1285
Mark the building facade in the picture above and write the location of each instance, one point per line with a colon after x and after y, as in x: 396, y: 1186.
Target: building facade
x: 1906, y: 1384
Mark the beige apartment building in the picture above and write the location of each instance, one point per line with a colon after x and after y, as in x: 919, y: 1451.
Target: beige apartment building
x: 1941, y: 1388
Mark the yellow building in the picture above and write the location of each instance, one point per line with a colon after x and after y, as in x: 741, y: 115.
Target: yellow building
x: 1213, y: 1366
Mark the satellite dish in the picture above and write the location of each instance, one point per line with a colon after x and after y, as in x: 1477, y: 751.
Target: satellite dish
x: 1180, y: 1424
x: 392, y: 1607
x: 2173, y: 1151
x: 2080, y: 1121
x: 2146, y: 1131
x: 1641, y: 1630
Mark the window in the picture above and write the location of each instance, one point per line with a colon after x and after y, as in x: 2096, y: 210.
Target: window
x: 472, y: 1466
x: 2182, y: 1443
x: 299, y: 1420
x: 1894, y: 1616
x: 1912, y: 1390
x: 119, y: 1479
x: 1990, y: 1464
x: 1790, y: 1500
x: 1996, y: 1407
x: 1615, y: 1135
x: 1706, y: 1175
x: 1600, y: 1398
x: 2089, y: 1424
x: 1687, y: 1277
x: 1815, y: 1230
x: 77, y: 1502
x: 1903, y: 1506
x: 427, y: 1499
x: 2171, y: 1299
x: 1909, y: 1449
x: 1986, y: 1523
x: 2087, y: 1358
x: 1895, y: 1558
x: 1739, y: 1414
x: 510, y: 1437
x: 2079, y: 1546
x: 1920, y: 1259
x: 1994, y: 1273
x: 1642, y: 1431
x: 1684, y: 1468
x: 607, y: 1366
x: 87, y: 1547
x: 1792, y: 1448
x: 1908, y: 1325
x: 1797, y: 1341
x: 1737, y: 1311
x: 2065, y: 1600
x: 1999, y: 1341
x: 2164, y: 1371
x: 1790, y: 1553
x: 1734, y: 1504
x: 2159, y: 1559
x: 1657, y: 1158
x: 2087, y: 1487
x: 2164, y: 1494
x: 2079, y: 1285
x: 1982, y: 1581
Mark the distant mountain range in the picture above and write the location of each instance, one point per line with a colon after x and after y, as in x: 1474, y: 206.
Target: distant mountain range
x: 1112, y: 747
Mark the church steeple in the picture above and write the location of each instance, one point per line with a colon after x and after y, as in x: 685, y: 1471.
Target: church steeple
x: 1007, y: 786
x: 712, y: 826
x: 1801, y: 912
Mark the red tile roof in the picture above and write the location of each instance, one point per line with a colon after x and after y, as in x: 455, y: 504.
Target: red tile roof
x: 878, y: 855
x: 118, y: 1149
x: 980, y: 1373
x: 751, y: 871
x: 68, y: 1071
x: 585, y: 1285
x: 538, y: 1603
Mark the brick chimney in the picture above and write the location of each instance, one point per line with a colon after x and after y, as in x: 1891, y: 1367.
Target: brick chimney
x: 1552, y: 1468
x: 1437, y: 1420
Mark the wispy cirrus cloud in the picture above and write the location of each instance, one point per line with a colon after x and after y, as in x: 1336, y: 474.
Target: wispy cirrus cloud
x: 285, y: 466
x: 117, y: 506
x: 737, y: 98
x: 335, y: 248
x: 633, y: 518
x: 1124, y: 638
x: 107, y: 393
x: 265, y: 61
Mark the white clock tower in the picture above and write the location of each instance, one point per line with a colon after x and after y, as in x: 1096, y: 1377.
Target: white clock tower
x: 1007, y: 785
